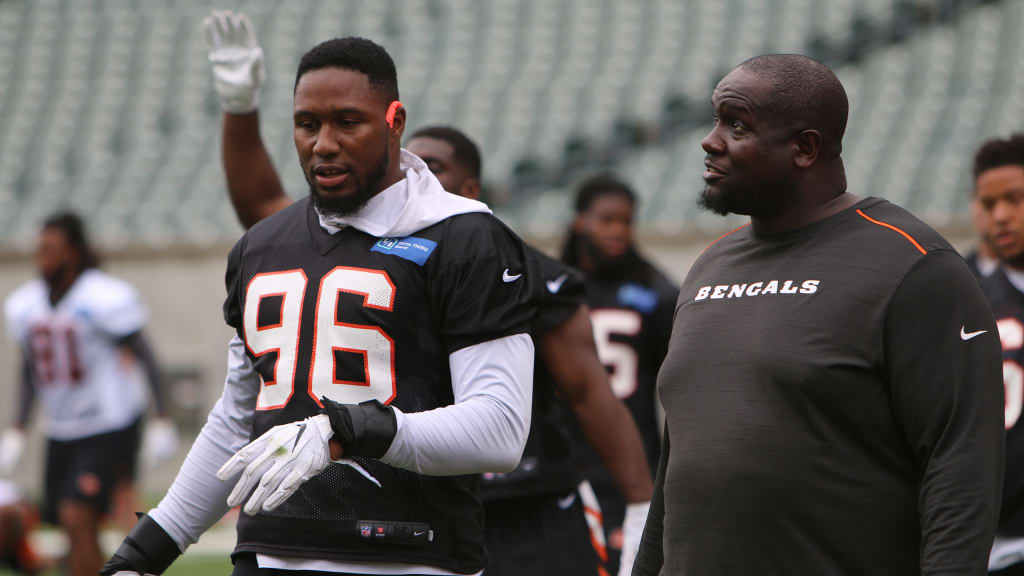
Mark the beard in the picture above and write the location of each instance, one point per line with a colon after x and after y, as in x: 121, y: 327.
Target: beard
x: 1014, y: 260
x: 55, y: 275
x: 765, y: 202
x: 341, y: 207
x: 721, y: 203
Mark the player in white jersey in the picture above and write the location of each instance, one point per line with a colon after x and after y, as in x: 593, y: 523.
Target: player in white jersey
x: 79, y: 329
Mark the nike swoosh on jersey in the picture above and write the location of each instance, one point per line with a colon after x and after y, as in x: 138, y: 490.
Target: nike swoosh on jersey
x: 968, y: 335
x: 555, y: 285
x: 506, y: 277
x: 566, y: 503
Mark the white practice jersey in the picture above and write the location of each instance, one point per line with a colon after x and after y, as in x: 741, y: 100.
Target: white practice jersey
x: 85, y: 386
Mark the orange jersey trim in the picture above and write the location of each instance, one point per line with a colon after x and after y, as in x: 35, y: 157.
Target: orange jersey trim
x: 891, y: 227
x: 734, y: 230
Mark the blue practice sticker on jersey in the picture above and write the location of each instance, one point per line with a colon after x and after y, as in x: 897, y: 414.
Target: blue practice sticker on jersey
x: 411, y: 248
x: 637, y: 297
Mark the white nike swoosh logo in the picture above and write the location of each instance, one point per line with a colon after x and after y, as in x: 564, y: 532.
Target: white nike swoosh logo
x: 565, y: 503
x: 969, y: 335
x: 509, y: 278
x: 555, y: 285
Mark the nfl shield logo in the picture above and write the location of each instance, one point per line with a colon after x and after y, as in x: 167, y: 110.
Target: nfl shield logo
x: 364, y: 530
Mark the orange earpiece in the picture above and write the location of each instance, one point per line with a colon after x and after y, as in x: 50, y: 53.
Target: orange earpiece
x: 392, y: 110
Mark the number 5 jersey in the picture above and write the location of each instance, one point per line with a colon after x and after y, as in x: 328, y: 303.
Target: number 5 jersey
x: 1007, y: 303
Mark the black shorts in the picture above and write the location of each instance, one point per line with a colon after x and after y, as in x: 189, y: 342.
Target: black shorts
x: 87, y: 469
x: 539, y: 536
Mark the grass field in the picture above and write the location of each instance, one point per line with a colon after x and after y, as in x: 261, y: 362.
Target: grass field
x: 208, y: 557
x: 187, y: 565
x: 200, y: 565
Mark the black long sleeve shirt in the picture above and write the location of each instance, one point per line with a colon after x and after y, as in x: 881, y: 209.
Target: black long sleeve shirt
x: 833, y: 406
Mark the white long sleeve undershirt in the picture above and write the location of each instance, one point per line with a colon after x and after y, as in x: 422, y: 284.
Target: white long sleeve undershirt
x: 485, y: 430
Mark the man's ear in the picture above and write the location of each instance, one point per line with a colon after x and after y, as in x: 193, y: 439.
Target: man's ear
x: 397, y: 127
x: 470, y: 189
x: 807, y: 146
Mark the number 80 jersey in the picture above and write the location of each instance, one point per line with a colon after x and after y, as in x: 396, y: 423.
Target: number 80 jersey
x: 354, y: 318
x: 73, y: 348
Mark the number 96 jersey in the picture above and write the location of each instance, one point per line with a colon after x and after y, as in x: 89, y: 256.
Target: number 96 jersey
x: 353, y: 317
x: 1007, y: 304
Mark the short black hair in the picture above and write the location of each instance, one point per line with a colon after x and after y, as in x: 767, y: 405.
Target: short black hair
x: 599, y: 185
x: 806, y: 94
x: 999, y: 152
x: 466, y: 151
x: 74, y: 230
x: 353, y: 53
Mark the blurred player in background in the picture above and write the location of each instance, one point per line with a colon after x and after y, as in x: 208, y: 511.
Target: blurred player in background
x: 17, y: 519
x: 983, y: 259
x: 999, y: 192
x: 631, y: 307
x: 534, y: 523
x: 382, y: 323
x: 74, y: 325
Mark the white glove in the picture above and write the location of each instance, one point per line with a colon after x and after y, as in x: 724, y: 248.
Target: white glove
x: 236, y: 59
x: 12, y: 444
x: 632, y: 532
x: 160, y: 442
x: 281, y: 460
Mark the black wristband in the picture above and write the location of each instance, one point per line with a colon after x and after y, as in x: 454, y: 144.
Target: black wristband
x: 364, y: 429
x: 147, y: 550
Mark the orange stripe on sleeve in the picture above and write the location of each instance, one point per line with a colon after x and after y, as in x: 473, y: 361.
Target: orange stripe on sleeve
x: 891, y: 227
x: 734, y: 230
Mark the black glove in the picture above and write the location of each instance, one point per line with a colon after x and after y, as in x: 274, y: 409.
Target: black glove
x: 147, y: 549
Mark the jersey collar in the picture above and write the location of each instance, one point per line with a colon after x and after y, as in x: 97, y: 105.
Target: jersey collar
x: 407, y: 206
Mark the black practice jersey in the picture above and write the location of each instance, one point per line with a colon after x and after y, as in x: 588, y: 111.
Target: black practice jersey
x: 1008, y: 306
x: 632, y: 319
x: 972, y: 262
x: 354, y: 318
x: 833, y: 406
x: 982, y: 268
x: 547, y: 466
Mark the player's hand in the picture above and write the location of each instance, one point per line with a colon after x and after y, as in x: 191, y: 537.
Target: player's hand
x: 160, y: 442
x: 12, y: 444
x: 632, y: 532
x: 236, y: 59
x: 280, y: 461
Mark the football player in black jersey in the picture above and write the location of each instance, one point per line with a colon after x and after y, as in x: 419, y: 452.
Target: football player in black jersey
x: 982, y: 260
x: 533, y: 520
x: 999, y: 191
x: 382, y: 357
x: 631, y: 306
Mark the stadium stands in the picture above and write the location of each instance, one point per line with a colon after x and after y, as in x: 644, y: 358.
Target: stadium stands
x: 107, y: 106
